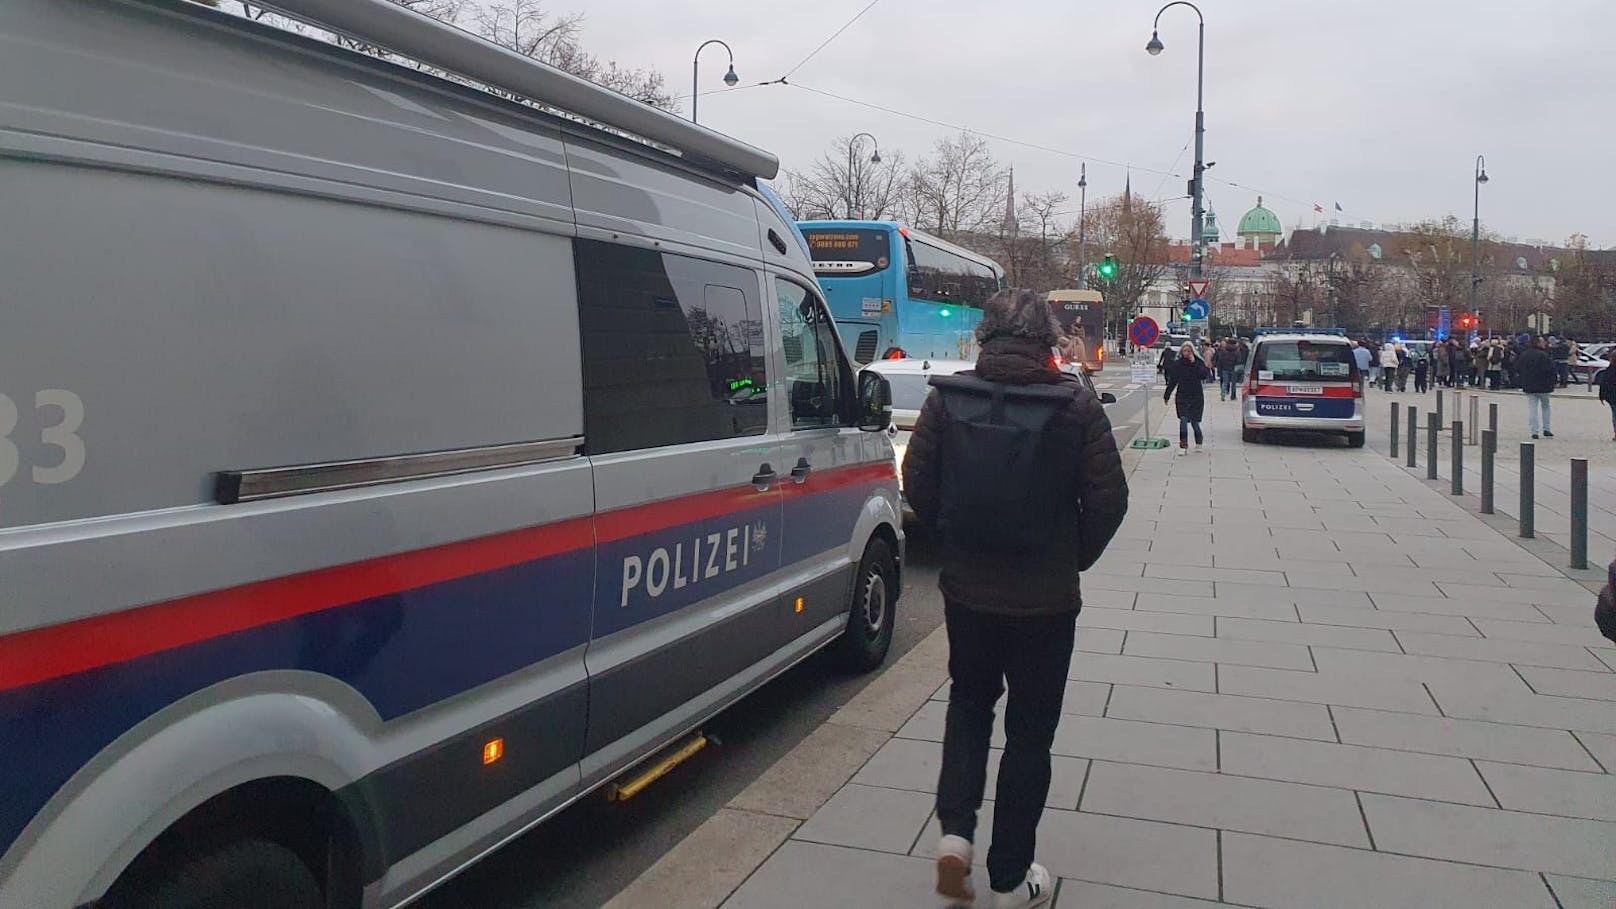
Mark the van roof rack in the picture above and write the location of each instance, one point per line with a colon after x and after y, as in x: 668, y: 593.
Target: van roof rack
x: 439, y: 44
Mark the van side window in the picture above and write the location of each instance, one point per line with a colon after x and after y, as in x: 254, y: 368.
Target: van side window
x: 813, y: 373
x: 672, y: 349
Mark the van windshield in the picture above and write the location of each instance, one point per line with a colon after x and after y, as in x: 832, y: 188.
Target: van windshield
x: 1303, y: 359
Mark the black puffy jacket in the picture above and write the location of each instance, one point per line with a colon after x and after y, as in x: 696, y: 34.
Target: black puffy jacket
x: 1605, y: 608
x: 1535, y: 372
x: 1026, y: 583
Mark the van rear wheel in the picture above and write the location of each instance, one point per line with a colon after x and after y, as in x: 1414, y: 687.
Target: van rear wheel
x: 1250, y: 435
x: 246, y: 874
x: 864, y: 644
x: 1355, y: 440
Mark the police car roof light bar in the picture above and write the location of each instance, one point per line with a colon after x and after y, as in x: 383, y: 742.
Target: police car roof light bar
x: 439, y: 44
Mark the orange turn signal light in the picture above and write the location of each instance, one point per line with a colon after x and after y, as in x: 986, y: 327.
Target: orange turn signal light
x: 799, y: 604
x: 493, y: 750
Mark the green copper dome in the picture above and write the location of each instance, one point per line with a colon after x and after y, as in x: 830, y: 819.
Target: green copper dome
x: 1259, y: 222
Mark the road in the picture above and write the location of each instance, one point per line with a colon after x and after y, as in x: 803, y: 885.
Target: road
x: 588, y: 853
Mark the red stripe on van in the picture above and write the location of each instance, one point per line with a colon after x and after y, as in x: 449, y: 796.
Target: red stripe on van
x: 41, y: 654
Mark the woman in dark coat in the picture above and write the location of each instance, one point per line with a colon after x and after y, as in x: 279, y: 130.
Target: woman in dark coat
x: 1185, y: 374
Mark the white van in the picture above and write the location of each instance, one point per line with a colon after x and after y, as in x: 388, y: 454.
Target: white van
x: 385, y: 464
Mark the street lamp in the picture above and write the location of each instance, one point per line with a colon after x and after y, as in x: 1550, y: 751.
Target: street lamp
x: 1154, y: 48
x: 695, y: 73
x: 1475, y: 234
x: 1082, y: 227
x: 874, y: 159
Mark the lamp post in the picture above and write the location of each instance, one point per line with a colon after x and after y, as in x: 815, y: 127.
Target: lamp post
x: 1475, y: 236
x: 695, y: 73
x: 1083, y: 227
x: 874, y: 159
x: 1196, y: 211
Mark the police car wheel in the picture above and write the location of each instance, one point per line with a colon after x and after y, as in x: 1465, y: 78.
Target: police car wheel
x: 1250, y: 435
x: 247, y: 874
x: 863, y: 646
x: 1355, y: 440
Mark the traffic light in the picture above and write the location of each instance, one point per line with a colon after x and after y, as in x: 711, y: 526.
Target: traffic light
x: 1184, y: 314
x: 1467, y: 321
x: 1107, y: 267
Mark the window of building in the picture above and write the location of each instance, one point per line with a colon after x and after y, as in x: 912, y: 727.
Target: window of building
x: 813, y: 369
x: 672, y: 349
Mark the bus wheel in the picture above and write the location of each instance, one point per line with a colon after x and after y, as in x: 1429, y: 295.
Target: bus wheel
x: 246, y: 874
x: 863, y: 646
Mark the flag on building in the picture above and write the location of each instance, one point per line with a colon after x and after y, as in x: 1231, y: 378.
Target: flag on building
x: 1010, y: 222
x: 1338, y: 206
x: 1318, y: 209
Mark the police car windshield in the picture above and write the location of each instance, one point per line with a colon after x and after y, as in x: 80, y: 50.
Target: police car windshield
x: 908, y: 392
x: 1303, y: 359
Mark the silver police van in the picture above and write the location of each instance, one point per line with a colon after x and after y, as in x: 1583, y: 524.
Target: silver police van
x: 384, y: 463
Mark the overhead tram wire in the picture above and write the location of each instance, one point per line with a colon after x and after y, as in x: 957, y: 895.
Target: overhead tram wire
x: 826, y: 43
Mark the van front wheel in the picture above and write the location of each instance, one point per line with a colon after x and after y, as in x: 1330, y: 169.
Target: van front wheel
x: 864, y: 644
x: 246, y: 874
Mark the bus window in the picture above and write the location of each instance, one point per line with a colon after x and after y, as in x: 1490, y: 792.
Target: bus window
x: 848, y: 251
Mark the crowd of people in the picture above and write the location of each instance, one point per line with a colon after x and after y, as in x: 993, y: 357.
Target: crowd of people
x: 1490, y: 363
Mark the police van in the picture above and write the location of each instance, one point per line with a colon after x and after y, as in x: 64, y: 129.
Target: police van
x: 1303, y: 380
x: 386, y: 464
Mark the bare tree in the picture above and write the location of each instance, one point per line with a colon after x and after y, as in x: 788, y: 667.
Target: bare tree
x: 958, y: 188
x: 1033, y: 251
x: 1131, y: 230
x: 869, y: 191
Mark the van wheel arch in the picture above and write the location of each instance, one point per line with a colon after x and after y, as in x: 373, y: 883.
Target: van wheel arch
x: 285, y: 816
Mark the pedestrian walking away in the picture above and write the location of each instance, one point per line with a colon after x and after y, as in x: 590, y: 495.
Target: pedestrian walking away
x: 1227, y: 359
x: 1605, y: 607
x: 1422, y: 373
x: 1185, y: 375
x: 1493, y: 363
x: 1388, y: 366
x: 1607, y: 393
x: 1362, y: 357
x: 1015, y: 466
x: 1537, y: 377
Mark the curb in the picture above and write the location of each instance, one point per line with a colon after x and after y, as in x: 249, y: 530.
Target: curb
x: 704, y: 868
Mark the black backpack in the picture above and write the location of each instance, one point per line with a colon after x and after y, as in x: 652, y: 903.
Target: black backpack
x: 998, y: 491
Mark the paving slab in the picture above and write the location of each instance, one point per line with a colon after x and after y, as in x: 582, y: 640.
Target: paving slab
x: 1221, y: 711
x: 1585, y: 635
x: 1543, y: 791
x: 1093, y: 639
x: 1229, y: 606
x: 1567, y: 594
x: 1198, y: 573
x: 1500, y: 650
x: 1143, y: 620
x: 1085, y: 895
x: 1462, y: 738
x: 1147, y: 585
x: 1319, y: 688
x: 914, y: 764
x: 1525, y: 708
x: 1428, y: 776
x: 1225, y: 802
x: 1136, y: 670
x: 1570, y: 682
x: 1352, y: 616
x: 802, y: 874
x: 1159, y: 744
x: 1307, y: 633
x: 869, y: 817
x: 1479, y: 674
x: 1493, y: 609
x: 1218, y: 650
x: 1491, y: 836
x: 1602, y: 747
x: 1582, y: 893
x: 1286, y: 874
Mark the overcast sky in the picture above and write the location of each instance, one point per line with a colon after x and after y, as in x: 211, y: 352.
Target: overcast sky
x: 1380, y: 105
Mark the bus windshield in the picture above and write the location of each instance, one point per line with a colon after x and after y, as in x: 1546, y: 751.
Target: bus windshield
x: 849, y: 250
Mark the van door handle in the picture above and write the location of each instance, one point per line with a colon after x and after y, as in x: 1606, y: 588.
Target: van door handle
x: 799, y: 474
x: 764, y: 477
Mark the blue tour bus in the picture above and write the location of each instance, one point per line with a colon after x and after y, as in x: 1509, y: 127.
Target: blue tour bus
x: 898, y: 292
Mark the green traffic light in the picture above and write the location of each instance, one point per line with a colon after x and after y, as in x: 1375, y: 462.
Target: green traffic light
x: 1108, y: 267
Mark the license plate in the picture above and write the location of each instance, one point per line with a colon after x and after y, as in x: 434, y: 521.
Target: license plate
x: 1306, y: 389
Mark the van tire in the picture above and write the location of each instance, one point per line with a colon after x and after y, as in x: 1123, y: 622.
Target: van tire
x: 246, y: 874
x: 1355, y: 440
x: 1250, y: 435
x: 864, y: 644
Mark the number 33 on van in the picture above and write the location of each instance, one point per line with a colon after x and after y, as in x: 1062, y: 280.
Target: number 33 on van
x: 62, y: 435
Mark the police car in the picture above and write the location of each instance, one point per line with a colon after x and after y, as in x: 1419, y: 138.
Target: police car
x: 385, y: 464
x: 1303, y: 380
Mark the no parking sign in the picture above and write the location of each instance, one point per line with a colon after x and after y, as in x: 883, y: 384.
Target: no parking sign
x: 1143, y: 331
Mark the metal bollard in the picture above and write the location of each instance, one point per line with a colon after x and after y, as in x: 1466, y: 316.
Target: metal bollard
x: 1528, y: 493
x: 1579, y: 513
x: 1439, y: 408
x: 1492, y: 417
x: 1433, y: 432
x: 1489, y: 444
x: 1395, y: 428
x: 1475, y: 422
x: 1413, y: 424
x: 1458, y: 457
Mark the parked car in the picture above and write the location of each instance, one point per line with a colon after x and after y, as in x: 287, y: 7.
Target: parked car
x: 1303, y: 380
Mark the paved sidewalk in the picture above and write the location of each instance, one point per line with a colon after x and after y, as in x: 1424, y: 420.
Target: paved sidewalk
x: 1305, y: 679
x: 1583, y: 431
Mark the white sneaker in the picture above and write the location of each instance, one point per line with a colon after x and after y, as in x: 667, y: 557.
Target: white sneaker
x: 1036, y: 890
x: 954, y: 855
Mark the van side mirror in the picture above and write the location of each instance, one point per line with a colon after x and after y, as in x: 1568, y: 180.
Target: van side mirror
x: 874, y: 401
x: 1107, y: 397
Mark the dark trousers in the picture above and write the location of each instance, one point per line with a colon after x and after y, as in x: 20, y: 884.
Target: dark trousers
x: 985, y: 652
